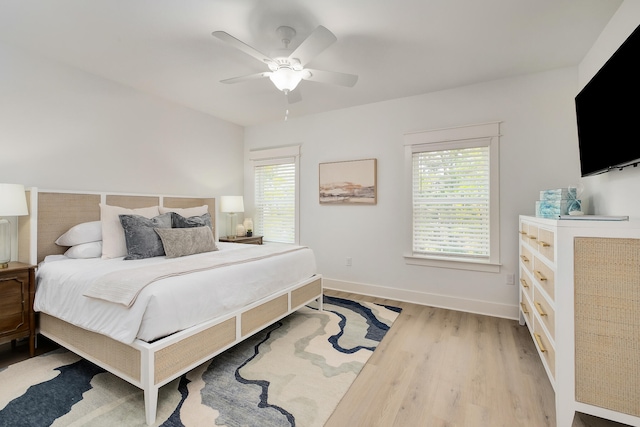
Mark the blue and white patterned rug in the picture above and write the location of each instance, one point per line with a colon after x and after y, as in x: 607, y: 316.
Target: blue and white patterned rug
x: 293, y: 373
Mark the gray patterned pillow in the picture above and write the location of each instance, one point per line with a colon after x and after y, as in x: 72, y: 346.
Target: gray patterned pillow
x: 141, y: 239
x: 186, y: 241
x: 178, y: 221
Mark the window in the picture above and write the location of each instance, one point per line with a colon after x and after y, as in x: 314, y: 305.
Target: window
x: 276, y: 193
x: 454, y: 197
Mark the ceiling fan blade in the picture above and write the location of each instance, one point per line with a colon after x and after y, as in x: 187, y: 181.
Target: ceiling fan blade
x: 246, y: 78
x: 319, y: 40
x: 294, y: 96
x: 240, y: 45
x: 341, y: 79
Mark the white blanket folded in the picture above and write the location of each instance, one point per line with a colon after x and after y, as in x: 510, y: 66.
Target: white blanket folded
x: 123, y: 287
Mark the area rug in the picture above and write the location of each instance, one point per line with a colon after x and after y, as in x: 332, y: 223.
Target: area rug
x: 293, y: 373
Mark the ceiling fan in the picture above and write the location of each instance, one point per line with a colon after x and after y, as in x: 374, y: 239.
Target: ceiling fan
x: 286, y: 68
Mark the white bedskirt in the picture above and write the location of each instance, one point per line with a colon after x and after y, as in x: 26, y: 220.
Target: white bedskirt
x: 168, y: 305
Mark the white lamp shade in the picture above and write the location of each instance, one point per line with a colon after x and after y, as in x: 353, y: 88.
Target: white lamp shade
x: 13, y: 200
x: 286, y: 78
x: 231, y: 204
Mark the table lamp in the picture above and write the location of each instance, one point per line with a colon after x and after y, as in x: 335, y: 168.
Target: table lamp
x: 13, y: 202
x: 231, y: 205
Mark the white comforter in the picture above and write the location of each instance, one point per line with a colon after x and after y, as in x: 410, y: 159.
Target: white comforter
x: 167, y: 305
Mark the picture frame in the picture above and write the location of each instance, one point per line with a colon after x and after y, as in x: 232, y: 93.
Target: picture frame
x: 349, y: 182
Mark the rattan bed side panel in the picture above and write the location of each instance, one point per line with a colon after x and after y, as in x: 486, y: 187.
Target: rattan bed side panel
x: 264, y: 314
x: 115, y: 354
x: 131, y: 202
x: 57, y: 212
x: 607, y: 321
x: 175, y: 357
x: 307, y: 292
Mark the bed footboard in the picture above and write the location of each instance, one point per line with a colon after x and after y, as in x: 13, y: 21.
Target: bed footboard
x: 151, y: 365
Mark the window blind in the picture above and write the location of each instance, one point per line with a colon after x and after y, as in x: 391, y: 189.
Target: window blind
x: 275, y: 201
x: 451, y: 202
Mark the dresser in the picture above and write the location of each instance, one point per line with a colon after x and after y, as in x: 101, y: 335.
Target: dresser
x: 17, y: 319
x: 579, y: 292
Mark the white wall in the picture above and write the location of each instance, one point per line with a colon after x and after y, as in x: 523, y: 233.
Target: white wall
x: 615, y: 192
x: 64, y: 129
x: 538, y: 151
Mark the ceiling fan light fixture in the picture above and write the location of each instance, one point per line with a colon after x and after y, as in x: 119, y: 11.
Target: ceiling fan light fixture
x: 286, y: 79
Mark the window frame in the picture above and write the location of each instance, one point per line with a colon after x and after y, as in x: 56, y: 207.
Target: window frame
x: 275, y: 156
x: 454, y: 138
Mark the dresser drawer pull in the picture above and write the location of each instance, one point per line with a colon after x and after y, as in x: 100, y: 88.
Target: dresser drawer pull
x: 524, y: 258
x: 540, y: 309
x: 539, y: 341
x: 539, y: 275
x: 532, y: 237
x: 524, y: 233
x: 543, y: 243
x: 524, y: 283
x: 524, y: 308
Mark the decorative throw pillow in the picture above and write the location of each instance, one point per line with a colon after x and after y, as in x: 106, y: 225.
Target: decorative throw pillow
x: 178, y: 221
x: 113, y: 242
x: 186, y: 212
x: 82, y: 233
x: 141, y: 239
x: 186, y: 241
x: 85, y: 250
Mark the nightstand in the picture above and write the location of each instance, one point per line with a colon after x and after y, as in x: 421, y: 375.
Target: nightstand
x: 253, y: 240
x: 17, y: 289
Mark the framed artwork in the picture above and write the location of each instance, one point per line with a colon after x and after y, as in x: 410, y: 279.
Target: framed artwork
x: 352, y: 182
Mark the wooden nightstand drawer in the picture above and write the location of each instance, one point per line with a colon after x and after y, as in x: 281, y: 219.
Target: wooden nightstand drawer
x: 17, y: 319
x: 14, y: 297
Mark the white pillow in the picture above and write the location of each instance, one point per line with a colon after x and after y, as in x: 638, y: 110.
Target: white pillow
x: 82, y: 233
x: 186, y: 212
x: 85, y: 250
x: 113, y: 241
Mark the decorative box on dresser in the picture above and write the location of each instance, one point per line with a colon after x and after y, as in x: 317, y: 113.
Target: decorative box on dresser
x: 580, y: 299
x: 17, y: 319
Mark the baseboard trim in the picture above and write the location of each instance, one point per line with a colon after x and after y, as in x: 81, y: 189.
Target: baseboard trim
x: 422, y: 298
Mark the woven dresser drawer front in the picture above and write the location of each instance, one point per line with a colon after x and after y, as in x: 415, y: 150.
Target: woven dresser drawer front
x: 526, y: 284
x: 544, y: 346
x: 545, y: 312
x: 544, y: 276
x: 526, y: 258
x: 546, y: 244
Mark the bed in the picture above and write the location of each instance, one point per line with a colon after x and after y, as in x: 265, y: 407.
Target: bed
x: 174, y: 321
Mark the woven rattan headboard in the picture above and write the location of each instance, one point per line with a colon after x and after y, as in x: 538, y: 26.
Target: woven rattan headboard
x: 51, y: 213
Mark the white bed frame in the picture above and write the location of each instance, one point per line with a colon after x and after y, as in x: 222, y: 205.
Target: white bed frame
x: 148, y: 366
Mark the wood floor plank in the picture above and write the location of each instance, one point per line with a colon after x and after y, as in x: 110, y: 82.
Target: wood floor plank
x: 438, y: 367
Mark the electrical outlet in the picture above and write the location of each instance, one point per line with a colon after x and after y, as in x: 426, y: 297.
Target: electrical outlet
x: 511, y: 279
x: 347, y: 262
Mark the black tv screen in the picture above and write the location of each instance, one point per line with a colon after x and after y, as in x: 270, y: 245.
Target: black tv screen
x: 608, y: 112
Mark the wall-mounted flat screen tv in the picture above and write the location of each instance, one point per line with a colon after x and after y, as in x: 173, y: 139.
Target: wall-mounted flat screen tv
x: 608, y: 112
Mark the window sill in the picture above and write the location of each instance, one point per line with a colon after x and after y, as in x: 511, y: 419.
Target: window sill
x: 453, y: 263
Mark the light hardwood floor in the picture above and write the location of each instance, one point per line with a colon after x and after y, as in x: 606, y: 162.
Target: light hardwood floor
x: 438, y: 367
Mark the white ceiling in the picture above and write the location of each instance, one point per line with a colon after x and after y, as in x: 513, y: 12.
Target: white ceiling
x: 397, y: 47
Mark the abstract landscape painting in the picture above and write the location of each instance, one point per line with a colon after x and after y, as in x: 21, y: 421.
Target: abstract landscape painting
x: 348, y: 182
